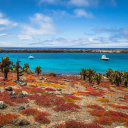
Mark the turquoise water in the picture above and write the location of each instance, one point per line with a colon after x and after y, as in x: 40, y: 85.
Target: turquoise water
x: 71, y: 63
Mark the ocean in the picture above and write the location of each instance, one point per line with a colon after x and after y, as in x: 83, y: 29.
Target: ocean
x: 71, y: 63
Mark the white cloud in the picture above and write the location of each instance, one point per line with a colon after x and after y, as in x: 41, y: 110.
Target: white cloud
x: 3, y: 34
x: 48, y: 1
x: 87, y: 42
x: 6, y: 44
x: 1, y: 14
x: 39, y: 25
x: 80, y: 2
x: 24, y: 37
x: 6, y: 23
x: 83, y: 13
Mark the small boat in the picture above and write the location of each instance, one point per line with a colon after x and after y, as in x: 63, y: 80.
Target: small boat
x: 31, y: 57
x: 104, y: 57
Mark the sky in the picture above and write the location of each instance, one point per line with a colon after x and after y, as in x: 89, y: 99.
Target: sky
x: 64, y: 23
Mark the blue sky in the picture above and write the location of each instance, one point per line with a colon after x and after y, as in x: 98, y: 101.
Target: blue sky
x: 64, y: 23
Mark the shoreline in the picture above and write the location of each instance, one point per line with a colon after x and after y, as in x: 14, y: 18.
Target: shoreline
x: 63, y: 50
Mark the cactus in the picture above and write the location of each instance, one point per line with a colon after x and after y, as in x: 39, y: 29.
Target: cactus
x: 116, y: 77
x: 98, y: 77
x: 125, y: 78
x: 26, y: 67
x: 90, y: 74
x: 17, y: 68
x: 38, y: 70
x: 83, y: 73
x: 5, y: 66
x: 108, y: 73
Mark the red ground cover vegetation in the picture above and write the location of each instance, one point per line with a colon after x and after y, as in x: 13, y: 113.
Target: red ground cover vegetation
x: 41, y: 118
x: 98, y: 113
x: 50, y: 89
x: 119, y: 106
x: 7, y: 118
x: 91, y: 92
x: 77, y: 124
x: 59, y: 103
x: 20, y: 100
x: 106, y: 117
x: 103, y: 100
x: 103, y: 120
x: 4, y: 96
x: 95, y: 106
x: 67, y: 107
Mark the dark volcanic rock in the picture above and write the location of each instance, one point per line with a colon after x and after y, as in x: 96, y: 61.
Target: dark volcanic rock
x: 2, y: 83
x: 13, y: 97
x: 23, y: 84
x: 9, y: 88
x: 23, y: 122
x: 21, y: 108
x: 13, y: 93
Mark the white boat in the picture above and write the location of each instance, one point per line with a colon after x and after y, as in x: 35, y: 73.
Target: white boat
x: 31, y: 57
x: 104, y: 57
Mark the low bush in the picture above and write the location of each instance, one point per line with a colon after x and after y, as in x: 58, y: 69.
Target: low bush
x: 30, y: 111
x: 7, y: 118
x: 103, y: 100
x: 111, y: 113
x: 50, y: 89
x: 119, y: 106
x: 20, y: 100
x: 42, y: 119
x: 67, y: 107
x: 52, y: 74
x: 103, y: 120
x: 77, y: 124
x: 98, y: 113
x: 95, y: 106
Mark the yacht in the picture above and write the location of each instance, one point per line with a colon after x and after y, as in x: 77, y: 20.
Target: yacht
x: 31, y: 57
x: 104, y: 57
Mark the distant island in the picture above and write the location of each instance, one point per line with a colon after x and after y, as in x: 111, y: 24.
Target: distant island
x: 63, y: 50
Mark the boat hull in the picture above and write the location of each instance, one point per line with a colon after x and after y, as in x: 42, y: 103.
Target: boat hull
x: 105, y: 59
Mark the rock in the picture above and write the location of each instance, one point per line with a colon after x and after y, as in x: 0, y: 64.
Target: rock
x: 29, y: 71
x: 23, y: 84
x: 13, y: 93
x: 2, y: 83
x: 28, y: 106
x: 21, y: 80
x: 23, y: 122
x: 21, y: 108
x: 92, y: 84
x: 5, y: 79
x: 46, y: 92
x: 9, y: 88
x: 51, y: 92
x: 14, y: 80
x: 13, y: 97
x: 2, y: 105
x: 42, y: 78
x: 20, y: 95
x: 24, y: 93
x: 58, y: 89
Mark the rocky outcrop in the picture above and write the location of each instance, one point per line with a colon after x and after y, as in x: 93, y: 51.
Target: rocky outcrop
x: 63, y: 50
x: 23, y: 84
x: 9, y: 88
x: 2, y: 105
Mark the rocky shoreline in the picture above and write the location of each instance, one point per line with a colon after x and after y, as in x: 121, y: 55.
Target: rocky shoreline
x: 63, y: 50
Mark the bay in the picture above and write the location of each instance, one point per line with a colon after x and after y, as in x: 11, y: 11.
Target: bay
x: 71, y: 63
